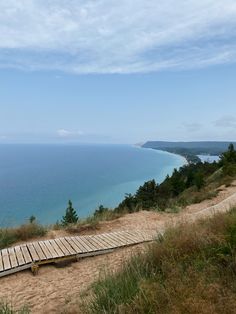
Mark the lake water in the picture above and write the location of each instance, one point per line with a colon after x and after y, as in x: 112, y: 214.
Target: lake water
x: 209, y: 158
x: 40, y: 179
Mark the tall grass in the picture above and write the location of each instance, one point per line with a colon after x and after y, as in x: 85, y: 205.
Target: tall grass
x: 8, y: 236
x: 191, y: 269
x: 6, y: 308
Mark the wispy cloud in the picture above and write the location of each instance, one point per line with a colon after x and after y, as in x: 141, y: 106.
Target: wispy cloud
x: 109, y: 36
x: 226, y: 122
x: 67, y: 134
x: 193, y: 127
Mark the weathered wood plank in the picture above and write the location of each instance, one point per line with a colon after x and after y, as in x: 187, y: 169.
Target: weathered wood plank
x: 126, y: 238
x: 88, y: 246
x: 122, y: 241
x: 135, y: 236
x: 113, y: 240
x: 6, y: 259
x: 62, y: 247
x: 33, y: 252
x: 26, y: 254
x: 12, y: 257
x: 1, y: 262
x: 109, y: 242
x: 39, y: 251
x: 75, y: 247
x: 45, y: 250
x: 51, y: 249
x: 93, y: 244
x: 102, y: 242
x: 19, y: 255
x: 56, y: 248
x: 98, y: 243
x: 80, y: 244
x: 68, y: 247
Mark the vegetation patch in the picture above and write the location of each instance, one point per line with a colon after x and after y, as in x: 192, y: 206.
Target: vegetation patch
x: 27, y: 231
x: 7, y: 308
x: 191, y: 269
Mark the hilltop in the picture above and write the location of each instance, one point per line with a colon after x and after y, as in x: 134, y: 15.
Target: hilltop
x: 190, y: 150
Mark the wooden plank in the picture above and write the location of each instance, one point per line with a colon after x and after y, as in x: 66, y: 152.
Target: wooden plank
x: 51, y: 249
x: 68, y: 247
x: 33, y: 252
x: 45, y: 250
x: 39, y: 251
x: 98, y: 243
x: 129, y: 239
x: 26, y: 254
x: 136, y: 236
x: 14, y: 270
x: 56, y: 248
x: 109, y: 242
x: 87, y: 245
x: 6, y: 260
x: 102, y: 241
x: 80, y: 244
x: 62, y: 247
x: 12, y: 257
x: 123, y: 242
x: 75, y: 247
x: 1, y: 262
x: 93, y: 244
x: 19, y: 255
x: 130, y: 236
x: 113, y: 240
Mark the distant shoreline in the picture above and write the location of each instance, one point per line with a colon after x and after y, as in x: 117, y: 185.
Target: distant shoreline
x: 186, y: 162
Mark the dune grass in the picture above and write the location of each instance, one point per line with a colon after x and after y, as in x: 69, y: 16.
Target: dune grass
x: 191, y: 269
x: 7, y: 308
x: 9, y: 236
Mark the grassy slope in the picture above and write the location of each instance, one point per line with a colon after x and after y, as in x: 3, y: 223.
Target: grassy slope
x: 192, y: 269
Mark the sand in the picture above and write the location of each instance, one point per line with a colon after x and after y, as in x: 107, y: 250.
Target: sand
x: 58, y: 289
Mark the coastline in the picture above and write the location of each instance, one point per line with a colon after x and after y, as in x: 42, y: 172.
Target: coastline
x: 186, y: 162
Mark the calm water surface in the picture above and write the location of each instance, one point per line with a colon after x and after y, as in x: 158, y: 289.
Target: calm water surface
x: 40, y: 179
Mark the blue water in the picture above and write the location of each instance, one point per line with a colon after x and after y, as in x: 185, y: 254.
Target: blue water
x: 40, y: 179
x: 209, y: 158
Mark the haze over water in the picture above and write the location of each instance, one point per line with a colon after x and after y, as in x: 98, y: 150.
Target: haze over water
x: 40, y: 179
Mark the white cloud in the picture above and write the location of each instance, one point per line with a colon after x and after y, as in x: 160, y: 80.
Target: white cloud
x: 66, y: 134
x: 109, y: 36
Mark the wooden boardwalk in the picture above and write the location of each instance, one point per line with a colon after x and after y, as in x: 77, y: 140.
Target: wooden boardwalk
x: 32, y: 255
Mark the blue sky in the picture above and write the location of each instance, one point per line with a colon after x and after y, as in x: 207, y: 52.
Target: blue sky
x: 117, y: 71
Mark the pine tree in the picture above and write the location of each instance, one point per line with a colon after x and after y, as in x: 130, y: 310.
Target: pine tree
x: 70, y: 216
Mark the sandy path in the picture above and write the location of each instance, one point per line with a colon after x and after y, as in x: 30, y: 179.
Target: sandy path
x: 56, y: 289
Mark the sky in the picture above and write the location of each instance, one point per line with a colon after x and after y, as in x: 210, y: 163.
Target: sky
x: 122, y: 71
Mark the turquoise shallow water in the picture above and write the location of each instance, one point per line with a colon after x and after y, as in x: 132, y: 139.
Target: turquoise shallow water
x: 39, y: 179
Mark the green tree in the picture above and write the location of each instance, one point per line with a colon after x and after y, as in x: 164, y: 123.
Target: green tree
x: 32, y: 219
x: 70, y: 216
x: 229, y: 156
x: 199, y: 180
